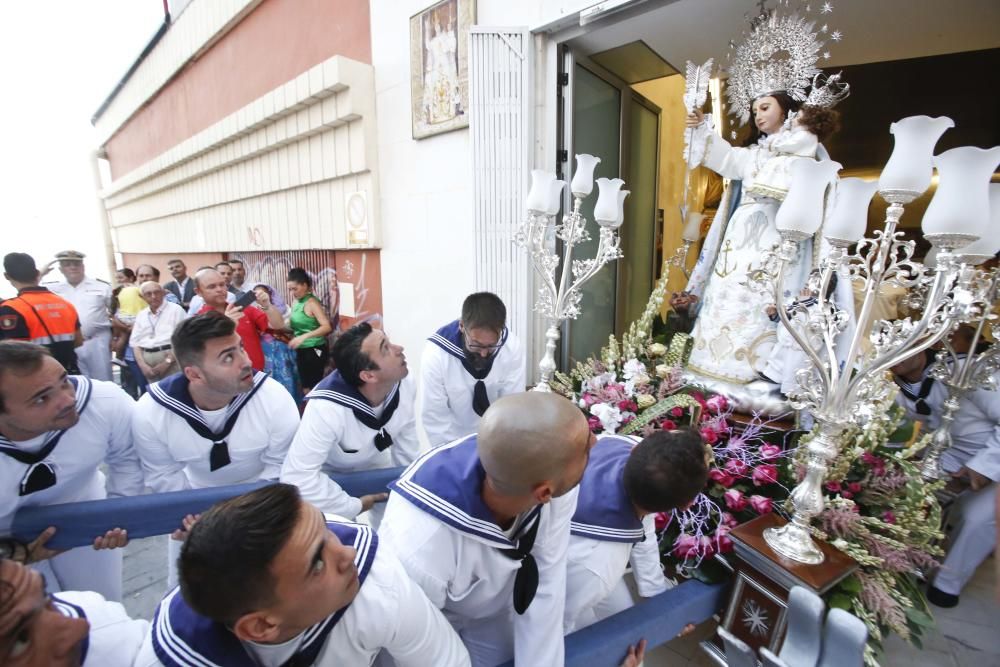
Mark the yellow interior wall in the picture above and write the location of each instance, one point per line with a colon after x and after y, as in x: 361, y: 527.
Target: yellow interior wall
x: 667, y: 94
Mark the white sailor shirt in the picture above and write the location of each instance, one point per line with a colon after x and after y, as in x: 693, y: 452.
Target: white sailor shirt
x: 176, y: 457
x: 114, y: 639
x: 934, y: 395
x: 91, y: 298
x: 332, y: 439
x: 606, y: 534
x: 389, y: 613
x: 975, y: 435
x: 103, y: 434
x: 447, y: 386
x: 449, y: 544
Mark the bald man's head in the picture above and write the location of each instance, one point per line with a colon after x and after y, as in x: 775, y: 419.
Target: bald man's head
x: 526, y: 440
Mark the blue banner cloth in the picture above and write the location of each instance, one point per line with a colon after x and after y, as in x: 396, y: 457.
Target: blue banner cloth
x: 77, y: 524
x: 657, y: 620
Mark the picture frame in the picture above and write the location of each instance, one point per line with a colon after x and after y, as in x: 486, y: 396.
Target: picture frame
x: 439, y: 67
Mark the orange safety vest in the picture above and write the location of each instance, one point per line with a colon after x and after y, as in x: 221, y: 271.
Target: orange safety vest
x: 49, y: 318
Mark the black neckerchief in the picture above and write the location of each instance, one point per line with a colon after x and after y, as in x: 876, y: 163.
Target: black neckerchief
x: 919, y: 398
x: 335, y: 389
x: 174, y: 394
x: 526, y: 579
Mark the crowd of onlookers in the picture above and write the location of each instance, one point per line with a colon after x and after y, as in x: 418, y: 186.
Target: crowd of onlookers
x: 286, y: 337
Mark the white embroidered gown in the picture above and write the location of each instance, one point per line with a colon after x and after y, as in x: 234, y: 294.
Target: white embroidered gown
x: 732, y: 334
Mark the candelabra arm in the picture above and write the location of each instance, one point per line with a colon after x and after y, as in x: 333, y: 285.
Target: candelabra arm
x: 971, y: 357
x: 785, y: 255
x: 573, y: 225
x: 930, y: 469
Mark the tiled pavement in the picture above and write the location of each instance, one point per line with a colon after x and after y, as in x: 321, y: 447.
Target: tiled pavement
x: 966, y: 636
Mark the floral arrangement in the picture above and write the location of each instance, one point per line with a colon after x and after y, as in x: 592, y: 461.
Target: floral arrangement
x: 879, y: 509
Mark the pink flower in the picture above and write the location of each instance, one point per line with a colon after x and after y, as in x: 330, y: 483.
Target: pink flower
x: 627, y: 405
x: 761, y: 504
x: 854, y: 487
x: 846, y: 494
x: 594, y: 423
x: 662, y: 520
x: 735, y: 500
x: 723, y: 541
x: 706, y: 546
x: 668, y: 425
x: 721, y: 477
x: 833, y: 487
x: 717, y: 403
x: 709, y: 435
x: 676, y: 412
x: 588, y: 399
x: 769, y: 452
x: 888, y: 516
x: 685, y: 546
x: 765, y: 474
x: 728, y: 520
x: 736, y: 467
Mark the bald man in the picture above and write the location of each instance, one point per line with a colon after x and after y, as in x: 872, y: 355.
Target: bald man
x: 482, y: 525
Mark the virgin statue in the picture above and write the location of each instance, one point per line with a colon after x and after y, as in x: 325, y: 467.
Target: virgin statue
x: 733, y: 333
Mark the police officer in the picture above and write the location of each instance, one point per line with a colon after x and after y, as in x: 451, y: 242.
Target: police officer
x: 92, y: 298
x: 37, y: 315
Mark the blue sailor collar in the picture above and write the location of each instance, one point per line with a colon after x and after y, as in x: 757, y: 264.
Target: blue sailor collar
x: 173, y: 393
x: 603, y: 510
x: 449, y: 339
x: 183, y: 638
x: 73, y: 611
x: 447, y: 483
x: 83, y: 388
x: 334, y: 388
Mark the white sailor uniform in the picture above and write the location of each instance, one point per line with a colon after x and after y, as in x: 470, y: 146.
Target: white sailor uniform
x: 114, y: 639
x: 389, y: 613
x: 91, y: 298
x: 453, y: 394
x: 975, y: 437
x: 923, y: 400
x: 184, y: 447
x: 477, y: 573
x: 605, y: 535
x: 341, y: 432
x: 62, y: 467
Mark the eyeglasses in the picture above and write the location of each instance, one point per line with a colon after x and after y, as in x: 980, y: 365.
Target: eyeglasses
x: 476, y: 347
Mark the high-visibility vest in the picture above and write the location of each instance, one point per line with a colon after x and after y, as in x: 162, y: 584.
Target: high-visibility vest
x: 49, y: 320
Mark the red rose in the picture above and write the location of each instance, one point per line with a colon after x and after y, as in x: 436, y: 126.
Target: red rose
x: 765, y: 474
x: 721, y: 477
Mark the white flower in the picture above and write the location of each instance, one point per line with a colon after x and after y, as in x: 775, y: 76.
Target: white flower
x: 595, y: 383
x: 664, y: 371
x: 632, y: 368
x: 582, y: 403
x: 840, y: 543
x: 610, y: 416
x: 645, y: 400
x: 657, y: 349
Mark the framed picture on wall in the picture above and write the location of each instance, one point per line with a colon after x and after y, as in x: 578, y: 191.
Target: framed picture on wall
x: 439, y: 67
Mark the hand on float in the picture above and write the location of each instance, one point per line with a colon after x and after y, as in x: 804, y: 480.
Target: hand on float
x: 371, y: 499
x: 635, y: 654
x: 181, y: 533
x: 37, y: 550
x: 113, y: 539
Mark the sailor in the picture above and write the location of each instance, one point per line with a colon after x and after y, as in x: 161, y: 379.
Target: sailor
x: 92, y: 299
x: 216, y: 422
x: 360, y: 417
x: 70, y: 628
x: 624, y: 485
x: 266, y: 580
x: 482, y: 525
x: 974, y: 458
x: 920, y: 395
x: 467, y: 365
x: 55, y: 430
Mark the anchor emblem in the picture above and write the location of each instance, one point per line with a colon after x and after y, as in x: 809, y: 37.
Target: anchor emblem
x: 725, y: 269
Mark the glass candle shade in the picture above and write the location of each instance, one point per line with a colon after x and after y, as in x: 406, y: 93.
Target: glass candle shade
x: 583, y: 179
x: 909, y: 168
x: 961, y: 204
x: 849, y: 219
x: 606, y: 208
x: 802, y: 210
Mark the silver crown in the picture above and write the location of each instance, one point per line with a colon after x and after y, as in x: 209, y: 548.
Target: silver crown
x: 779, y: 55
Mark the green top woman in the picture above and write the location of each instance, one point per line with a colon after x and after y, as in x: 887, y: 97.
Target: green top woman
x: 310, y: 326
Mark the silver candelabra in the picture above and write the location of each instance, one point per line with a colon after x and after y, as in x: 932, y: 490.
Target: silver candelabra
x: 560, y: 300
x: 840, y: 389
x: 965, y: 372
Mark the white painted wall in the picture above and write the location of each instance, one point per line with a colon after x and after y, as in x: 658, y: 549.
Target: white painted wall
x: 425, y: 186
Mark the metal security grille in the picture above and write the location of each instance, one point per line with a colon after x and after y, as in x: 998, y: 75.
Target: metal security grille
x: 500, y: 82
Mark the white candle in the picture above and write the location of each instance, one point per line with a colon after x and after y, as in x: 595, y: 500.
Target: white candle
x: 606, y: 208
x: 583, y: 179
x: 538, y: 196
x: 692, y: 228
